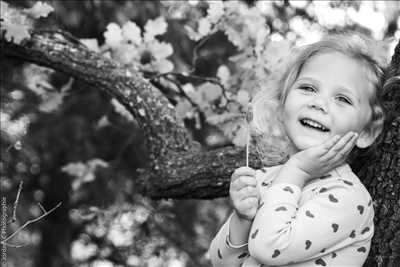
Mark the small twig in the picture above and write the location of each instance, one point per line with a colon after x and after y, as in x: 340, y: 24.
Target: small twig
x: 29, y: 222
x: 14, y: 214
x: 41, y: 207
x: 196, y: 77
x: 183, y: 93
x: 15, y: 246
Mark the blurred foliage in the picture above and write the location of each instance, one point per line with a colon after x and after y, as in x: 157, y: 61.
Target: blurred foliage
x: 75, y: 144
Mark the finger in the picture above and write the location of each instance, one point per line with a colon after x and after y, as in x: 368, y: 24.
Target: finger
x: 342, y: 154
x: 339, y: 146
x: 243, y: 181
x: 247, y: 192
x: 250, y: 202
x: 243, y: 171
x: 248, y: 180
x: 330, y: 142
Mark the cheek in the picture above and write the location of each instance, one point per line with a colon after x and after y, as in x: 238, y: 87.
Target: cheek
x: 351, y: 122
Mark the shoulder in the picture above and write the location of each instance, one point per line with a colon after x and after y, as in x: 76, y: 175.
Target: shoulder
x: 346, y: 192
x: 350, y: 180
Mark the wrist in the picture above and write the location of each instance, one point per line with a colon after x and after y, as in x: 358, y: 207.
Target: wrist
x: 241, y: 218
x: 294, y: 165
x: 239, y: 230
x: 291, y: 173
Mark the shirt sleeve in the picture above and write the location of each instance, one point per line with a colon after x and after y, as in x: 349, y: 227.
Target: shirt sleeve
x: 284, y: 232
x: 222, y: 254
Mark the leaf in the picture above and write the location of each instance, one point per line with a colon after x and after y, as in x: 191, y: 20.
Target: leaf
x: 209, y: 91
x: 223, y: 74
x: 215, y: 10
x: 16, y: 33
x: 240, y: 136
x: 154, y: 28
x: 160, y: 50
x: 83, y: 173
x: 192, y: 34
x: 182, y: 109
x: 243, y: 97
x: 74, y: 169
x: 126, y: 54
x: 163, y: 66
x: 66, y: 87
x: 194, y: 94
x: 94, y: 163
x: 204, y: 27
x: 80, y: 251
x: 103, y: 122
x: 37, y: 79
x: 39, y: 9
x: 51, y: 101
x: 131, y: 32
x: 14, y: 23
x: 113, y: 35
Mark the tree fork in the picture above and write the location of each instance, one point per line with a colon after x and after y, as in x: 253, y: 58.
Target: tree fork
x: 173, y: 156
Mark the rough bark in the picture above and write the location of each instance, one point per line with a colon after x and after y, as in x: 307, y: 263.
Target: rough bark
x: 173, y: 156
x: 179, y: 169
x: 381, y: 172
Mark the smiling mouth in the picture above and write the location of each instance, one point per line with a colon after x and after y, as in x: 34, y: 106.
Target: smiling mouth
x: 313, y: 125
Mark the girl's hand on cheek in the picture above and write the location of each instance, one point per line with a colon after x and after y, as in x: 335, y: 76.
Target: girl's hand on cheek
x: 243, y: 193
x: 318, y: 160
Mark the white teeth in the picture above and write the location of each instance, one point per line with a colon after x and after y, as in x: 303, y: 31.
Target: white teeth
x: 314, y: 124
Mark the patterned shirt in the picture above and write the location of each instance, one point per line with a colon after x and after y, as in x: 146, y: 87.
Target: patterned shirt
x: 329, y: 222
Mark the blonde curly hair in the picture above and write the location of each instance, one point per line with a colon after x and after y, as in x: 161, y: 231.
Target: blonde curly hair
x: 271, y: 141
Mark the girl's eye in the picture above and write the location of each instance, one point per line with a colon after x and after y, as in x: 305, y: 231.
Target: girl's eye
x: 307, y: 88
x: 344, y: 100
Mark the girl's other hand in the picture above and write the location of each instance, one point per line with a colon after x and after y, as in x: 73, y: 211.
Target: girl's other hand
x: 243, y: 192
x: 318, y: 160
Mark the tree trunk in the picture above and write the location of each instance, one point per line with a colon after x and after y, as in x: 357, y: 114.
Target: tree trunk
x: 178, y: 168
x: 381, y: 172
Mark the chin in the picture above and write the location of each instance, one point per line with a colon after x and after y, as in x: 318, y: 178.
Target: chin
x: 307, y: 142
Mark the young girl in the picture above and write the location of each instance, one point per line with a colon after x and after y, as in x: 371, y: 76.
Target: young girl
x: 312, y: 210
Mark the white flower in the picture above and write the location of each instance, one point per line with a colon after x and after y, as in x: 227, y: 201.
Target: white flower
x: 119, y: 236
x: 113, y: 35
x: 81, y: 251
x: 131, y: 32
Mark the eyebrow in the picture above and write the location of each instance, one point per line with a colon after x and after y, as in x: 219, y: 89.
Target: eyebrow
x: 341, y: 88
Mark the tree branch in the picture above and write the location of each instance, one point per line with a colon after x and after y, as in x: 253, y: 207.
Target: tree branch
x: 177, y: 167
x: 28, y: 223
x: 14, y: 214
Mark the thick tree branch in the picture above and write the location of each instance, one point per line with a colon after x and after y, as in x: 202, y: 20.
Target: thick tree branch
x: 149, y: 107
x: 177, y: 166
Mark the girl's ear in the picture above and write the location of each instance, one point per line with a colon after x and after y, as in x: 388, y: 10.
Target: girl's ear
x: 372, y: 130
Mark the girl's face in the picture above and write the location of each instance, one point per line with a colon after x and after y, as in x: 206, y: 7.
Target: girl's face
x: 330, y: 96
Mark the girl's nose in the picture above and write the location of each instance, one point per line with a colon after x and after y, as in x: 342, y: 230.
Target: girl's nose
x: 319, y: 104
